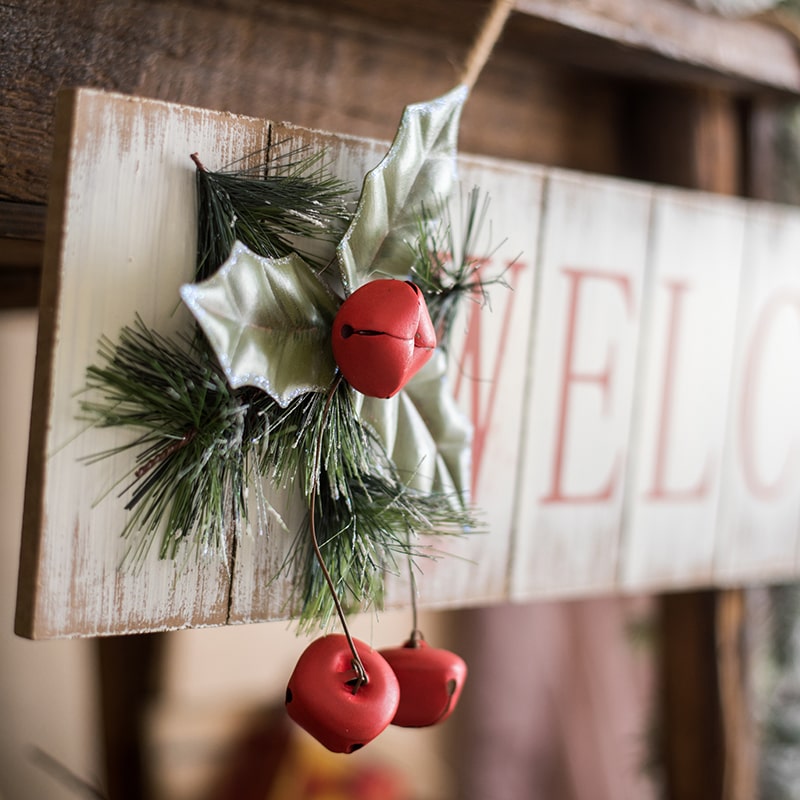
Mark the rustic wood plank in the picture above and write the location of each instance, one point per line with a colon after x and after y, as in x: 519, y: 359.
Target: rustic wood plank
x: 101, y: 240
x: 488, y: 347
x: 578, y: 403
x: 255, y: 595
x: 130, y: 669
x: 489, y: 372
x: 182, y: 51
x: 759, y: 519
x: 696, y: 135
x: 692, y: 744
x: 738, y: 714
x: 682, y: 41
x: 325, y: 64
x: 683, y: 385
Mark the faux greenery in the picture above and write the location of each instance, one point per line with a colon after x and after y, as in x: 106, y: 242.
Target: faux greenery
x: 202, y: 441
x: 276, y: 206
x: 447, y: 266
x: 197, y: 442
x: 419, y: 168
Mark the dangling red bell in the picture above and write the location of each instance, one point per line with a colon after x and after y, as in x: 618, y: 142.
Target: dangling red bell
x: 382, y: 335
x: 321, y: 700
x: 430, y: 681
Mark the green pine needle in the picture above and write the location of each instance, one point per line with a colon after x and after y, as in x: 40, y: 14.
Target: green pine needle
x: 365, y: 516
x: 201, y: 445
x: 447, y: 269
x: 196, y: 438
x: 362, y: 540
x: 289, y: 204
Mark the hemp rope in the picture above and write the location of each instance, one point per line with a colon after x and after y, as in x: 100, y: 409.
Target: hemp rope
x: 484, y: 43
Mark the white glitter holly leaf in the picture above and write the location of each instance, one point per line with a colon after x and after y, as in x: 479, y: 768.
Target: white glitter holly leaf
x: 268, y: 321
x: 419, y: 169
x: 425, y: 433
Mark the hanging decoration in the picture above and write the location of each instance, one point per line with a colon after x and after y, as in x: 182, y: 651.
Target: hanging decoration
x: 317, y: 365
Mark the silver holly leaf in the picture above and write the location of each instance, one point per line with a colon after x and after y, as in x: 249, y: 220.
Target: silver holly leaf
x: 425, y: 433
x: 420, y: 168
x: 268, y: 321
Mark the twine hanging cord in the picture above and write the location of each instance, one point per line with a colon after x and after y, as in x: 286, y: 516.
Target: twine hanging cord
x: 485, y: 41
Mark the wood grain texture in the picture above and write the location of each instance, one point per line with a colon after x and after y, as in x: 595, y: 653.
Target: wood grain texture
x: 348, y: 65
x: 692, y: 747
x: 680, y: 40
x: 100, y: 238
x: 489, y: 369
x: 340, y: 65
x: 683, y: 390
x: 559, y: 70
x: 255, y: 595
x: 586, y: 332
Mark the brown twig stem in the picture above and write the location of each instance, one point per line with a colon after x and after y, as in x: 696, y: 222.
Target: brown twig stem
x: 165, y: 453
x: 416, y: 634
x: 358, y: 664
x: 197, y: 162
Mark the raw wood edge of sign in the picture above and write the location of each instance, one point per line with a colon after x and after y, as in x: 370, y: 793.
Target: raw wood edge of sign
x: 33, y: 510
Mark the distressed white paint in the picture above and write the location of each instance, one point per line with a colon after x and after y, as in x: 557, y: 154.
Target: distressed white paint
x: 127, y: 241
x: 683, y: 390
x: 487, y: 372
x: 591, y: 475
x: 578, y: 407
x: 759, y: 517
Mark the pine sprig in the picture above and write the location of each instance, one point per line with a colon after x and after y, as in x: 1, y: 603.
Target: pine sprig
x: 197, y: 439
x: 362, y: 540
x: 446, y: 267
x: 365, y: 517
x: 201, y: 446
x: 289, y: 204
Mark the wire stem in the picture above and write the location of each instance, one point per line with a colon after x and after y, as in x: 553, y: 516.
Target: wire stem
x: 416, y: 634
x: 358, y: 665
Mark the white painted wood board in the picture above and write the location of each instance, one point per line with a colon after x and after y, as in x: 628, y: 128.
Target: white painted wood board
x: 581, y: 384
x: 619, y: 364
x: 487, y: 370
x: 683, y: 390
x: 759, y: 517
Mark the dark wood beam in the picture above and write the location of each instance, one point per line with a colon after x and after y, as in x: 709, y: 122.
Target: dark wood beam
x: 129, y: 671
x: 697, y: 138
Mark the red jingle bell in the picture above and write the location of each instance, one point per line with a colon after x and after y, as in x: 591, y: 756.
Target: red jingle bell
x: 382, y: 335
x: 430, y: 680
x: 321, y: 700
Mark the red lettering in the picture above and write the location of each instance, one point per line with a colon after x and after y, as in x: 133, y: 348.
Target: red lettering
x: 571, y: 376
x: 659, y: 490
x: 481, y: 417
x: 758, y: 485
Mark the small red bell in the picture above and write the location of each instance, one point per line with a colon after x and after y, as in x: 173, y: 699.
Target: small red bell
x: 321, y: 700
x: 430, y: 680
x: 382, y: 335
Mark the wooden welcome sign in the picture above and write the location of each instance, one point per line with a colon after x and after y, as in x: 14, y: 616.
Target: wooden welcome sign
x: 634, y: 393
